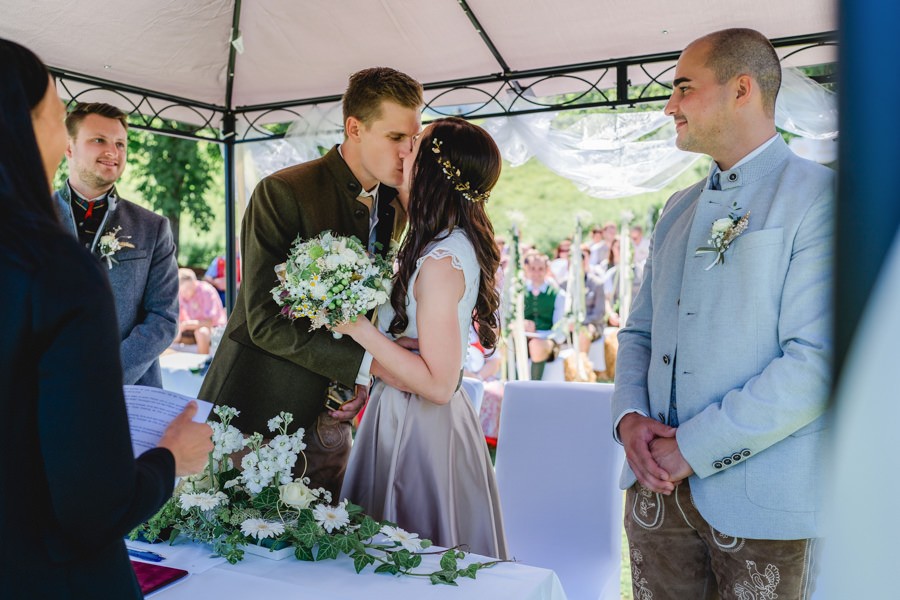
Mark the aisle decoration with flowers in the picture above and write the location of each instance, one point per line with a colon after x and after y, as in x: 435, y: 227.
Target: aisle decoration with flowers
x: 331, y: 280
x: 262, y: 504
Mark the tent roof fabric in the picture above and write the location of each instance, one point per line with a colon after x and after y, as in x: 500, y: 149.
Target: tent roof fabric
x: 298, y: 50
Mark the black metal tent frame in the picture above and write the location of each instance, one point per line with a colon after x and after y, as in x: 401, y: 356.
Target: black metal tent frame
x: 509, y: 98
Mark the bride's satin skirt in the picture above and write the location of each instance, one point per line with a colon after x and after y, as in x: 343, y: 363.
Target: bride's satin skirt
x: 426, y: 467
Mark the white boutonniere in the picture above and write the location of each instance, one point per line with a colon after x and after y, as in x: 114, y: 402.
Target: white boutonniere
x: 722, y: 233
x: 110, y: 243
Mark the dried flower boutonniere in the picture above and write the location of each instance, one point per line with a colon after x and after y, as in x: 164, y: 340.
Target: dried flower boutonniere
x: 110, y: 243
x: 722, y: 233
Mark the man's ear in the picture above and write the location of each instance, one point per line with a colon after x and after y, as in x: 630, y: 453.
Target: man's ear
x: 745, y: 87
x: 69, y: 143
x: 352, y: 128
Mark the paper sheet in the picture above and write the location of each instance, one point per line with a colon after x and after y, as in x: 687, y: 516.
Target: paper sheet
x: 150, y: 410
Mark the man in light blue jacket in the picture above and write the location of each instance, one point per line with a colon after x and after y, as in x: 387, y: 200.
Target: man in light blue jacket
x: 134, y: 243
x: 723, y: 367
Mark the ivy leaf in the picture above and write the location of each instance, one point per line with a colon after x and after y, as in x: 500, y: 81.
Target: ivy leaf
x: 387, y: 568
x: 361, y: 560
x: 470, y: 571
x: 403, y: 559
x: 444, y: 578
x: 307, y: 534
x: 304, y: 553
x: 368, y: 528
x: 344, y: 543
x: 448, y: 561
x: 327, y: 549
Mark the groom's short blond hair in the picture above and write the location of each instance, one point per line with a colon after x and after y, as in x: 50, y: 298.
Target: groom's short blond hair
x: 368, y: 88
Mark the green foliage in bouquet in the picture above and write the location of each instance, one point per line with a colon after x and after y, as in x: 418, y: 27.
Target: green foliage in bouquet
x: 261, y: 504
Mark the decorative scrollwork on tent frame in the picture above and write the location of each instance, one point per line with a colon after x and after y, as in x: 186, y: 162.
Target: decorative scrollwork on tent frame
x: 599, y: 84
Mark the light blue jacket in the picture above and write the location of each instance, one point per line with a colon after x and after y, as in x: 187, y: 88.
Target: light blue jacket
x: 144, y: 282
x: 748, y: 341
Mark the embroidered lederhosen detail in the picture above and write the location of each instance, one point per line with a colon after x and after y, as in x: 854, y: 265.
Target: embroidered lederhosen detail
x: 638, y: 583
x: 760, y: 586
x: 647, y: 509
x: 725, y: 542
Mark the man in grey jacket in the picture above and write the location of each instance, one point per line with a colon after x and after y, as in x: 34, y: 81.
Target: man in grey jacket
x: 134, y: 243
x: 723, y: 367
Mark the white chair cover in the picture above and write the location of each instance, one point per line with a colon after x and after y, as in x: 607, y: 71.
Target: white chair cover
x: 558, y: 473
x: 475, y: 389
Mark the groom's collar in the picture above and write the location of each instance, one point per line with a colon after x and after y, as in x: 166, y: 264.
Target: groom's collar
x: 752, y: 167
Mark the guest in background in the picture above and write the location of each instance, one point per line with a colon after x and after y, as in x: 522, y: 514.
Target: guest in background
x: 134, y: 244
x: 559, y: 266
x: 216, y: 275
x: 72, y: 487
x: 544, y: 307
x: 594, y: 303
x: 640, y: 248
x: 602, y: 239
x: 199, y: 311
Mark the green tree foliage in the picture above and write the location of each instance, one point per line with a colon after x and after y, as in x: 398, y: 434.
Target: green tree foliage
x: 172, y: 175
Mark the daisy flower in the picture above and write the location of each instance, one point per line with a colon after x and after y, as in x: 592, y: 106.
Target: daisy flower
x: 331, y: 517
x: 410, y: 541
x: 261, y: 529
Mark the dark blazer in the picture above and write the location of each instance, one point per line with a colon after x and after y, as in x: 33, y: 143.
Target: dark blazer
x: 71, y: 488
x: 144, y: 281
x: 266, y: 363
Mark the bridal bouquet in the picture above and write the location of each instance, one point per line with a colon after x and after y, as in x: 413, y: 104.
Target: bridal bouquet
x: 330, y: 280
x: 262, y: 504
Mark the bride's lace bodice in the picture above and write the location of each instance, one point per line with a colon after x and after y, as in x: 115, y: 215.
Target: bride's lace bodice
x: 460, y: 251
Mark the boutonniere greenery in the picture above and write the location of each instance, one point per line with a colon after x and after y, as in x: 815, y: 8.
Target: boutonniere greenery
x: 721, y: 235
x: 110, y: 243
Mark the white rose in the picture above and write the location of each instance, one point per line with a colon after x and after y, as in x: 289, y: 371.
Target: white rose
x: 720, y: 226
x: 296, y: 494
x: 380, y: 297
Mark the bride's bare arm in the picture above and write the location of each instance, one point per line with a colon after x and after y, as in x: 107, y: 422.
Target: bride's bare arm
x: 433, y: 373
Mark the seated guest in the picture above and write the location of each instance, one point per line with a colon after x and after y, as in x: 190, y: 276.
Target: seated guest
x: 73, y: 488
x: 602, y: 238
x: 200, y: 310
x: 559, y: 266
x: 594, y: 304
x: 544, y: 306
x: 216, y: 274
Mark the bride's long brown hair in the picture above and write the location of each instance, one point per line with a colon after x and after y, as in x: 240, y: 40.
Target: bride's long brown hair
x: 436, y: 206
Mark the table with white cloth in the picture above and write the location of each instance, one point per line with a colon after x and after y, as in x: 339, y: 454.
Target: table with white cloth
x: 258, y: 577
x: 181, y: 371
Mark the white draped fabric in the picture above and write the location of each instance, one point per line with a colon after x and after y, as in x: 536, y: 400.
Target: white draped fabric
x: 607, y: 154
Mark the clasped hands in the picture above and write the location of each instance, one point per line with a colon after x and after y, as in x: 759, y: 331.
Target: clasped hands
x: 652, y: 453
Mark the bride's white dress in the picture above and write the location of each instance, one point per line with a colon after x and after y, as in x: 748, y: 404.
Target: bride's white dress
x: 425, y: 466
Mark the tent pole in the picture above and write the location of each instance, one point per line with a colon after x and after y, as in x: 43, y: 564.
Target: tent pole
x: 228, y: 135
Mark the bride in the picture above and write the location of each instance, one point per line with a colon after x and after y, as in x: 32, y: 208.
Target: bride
x: 420, y: 458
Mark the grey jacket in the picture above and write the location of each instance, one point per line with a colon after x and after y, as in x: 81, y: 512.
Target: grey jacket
x: 144, y: 280
x: 748, y: 342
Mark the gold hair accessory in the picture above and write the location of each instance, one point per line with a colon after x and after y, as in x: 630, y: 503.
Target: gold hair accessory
x: 455, y: 177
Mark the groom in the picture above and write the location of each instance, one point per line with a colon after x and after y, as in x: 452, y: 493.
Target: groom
x: 723, y: 367
x: 266, y: 363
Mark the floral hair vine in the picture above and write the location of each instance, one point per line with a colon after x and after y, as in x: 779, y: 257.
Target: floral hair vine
x: 455, y: 177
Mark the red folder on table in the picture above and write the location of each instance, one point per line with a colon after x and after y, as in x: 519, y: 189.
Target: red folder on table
x: 153, y: 577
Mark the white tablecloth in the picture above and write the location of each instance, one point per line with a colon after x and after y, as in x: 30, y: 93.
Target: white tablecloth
x: 257, y: 577
x: 178, y: 372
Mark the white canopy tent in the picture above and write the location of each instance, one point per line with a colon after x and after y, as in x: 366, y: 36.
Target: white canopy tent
x: 227, y: 67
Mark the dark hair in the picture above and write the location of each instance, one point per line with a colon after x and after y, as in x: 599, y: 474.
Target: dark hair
x: 739, y: 51
x: 368, y: 88
x: 24, y: 189
x: 78, y: 114
x: 436, y: 206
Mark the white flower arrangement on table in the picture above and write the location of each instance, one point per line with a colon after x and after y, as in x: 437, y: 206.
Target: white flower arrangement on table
x: 721, y: 235
x: 262, y: 504
x: 110, y: 243
x: 331, y: 280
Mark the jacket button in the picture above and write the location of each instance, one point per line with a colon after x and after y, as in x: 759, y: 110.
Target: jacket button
x: 727, y: 461
x: 665, y: 359
x: 732, y: 177
x: 745, y: 453
x: 735, y: 457
x: 718, y: 464
x: 359, y: 213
